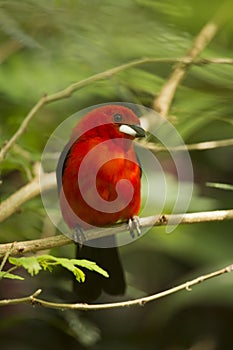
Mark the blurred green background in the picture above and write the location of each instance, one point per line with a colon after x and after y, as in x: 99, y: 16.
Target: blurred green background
x: 44, y: 47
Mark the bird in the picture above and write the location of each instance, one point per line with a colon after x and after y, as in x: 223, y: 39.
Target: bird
x: 99, y: 180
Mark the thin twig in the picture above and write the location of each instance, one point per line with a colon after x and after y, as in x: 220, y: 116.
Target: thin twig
x: 199, y: 146
x: 68, y: 91
x: 65, y: 93
x: 145, y: 222
x: 206, y: 145
x: 6, y: 256
x: 32, y: 299
x: 202, y: 61
x: 163, y: 101
x: 7, y: 146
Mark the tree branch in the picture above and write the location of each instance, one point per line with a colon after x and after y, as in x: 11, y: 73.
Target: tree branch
x: 172, y: 219
x: 68, y: 91
x: 32, y: 299
x: 164, y: 99
x: 65, y: 93
x: 199, y: 146
x: 10, y: 205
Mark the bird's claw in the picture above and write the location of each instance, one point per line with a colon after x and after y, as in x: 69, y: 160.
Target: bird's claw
x: 78, y: 235
x: 134, y: 226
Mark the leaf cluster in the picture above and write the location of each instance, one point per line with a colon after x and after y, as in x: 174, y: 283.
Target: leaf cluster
x: 34, y: 264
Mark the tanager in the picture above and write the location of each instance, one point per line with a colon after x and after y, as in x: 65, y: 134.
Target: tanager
x: 98, y: 178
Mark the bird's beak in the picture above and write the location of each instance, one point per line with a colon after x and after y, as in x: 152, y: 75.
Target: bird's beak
x: 132, y: 130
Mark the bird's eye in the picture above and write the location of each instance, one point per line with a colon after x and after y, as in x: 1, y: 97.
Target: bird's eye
x: 117, y: 118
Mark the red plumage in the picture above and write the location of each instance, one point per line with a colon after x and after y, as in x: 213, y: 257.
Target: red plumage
x: 101, y: 184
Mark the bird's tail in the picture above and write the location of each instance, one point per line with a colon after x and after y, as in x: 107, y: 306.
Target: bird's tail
x: 109, y: 260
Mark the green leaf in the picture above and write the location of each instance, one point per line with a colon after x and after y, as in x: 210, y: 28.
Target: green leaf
x: 90, y: 265
x: 69, y: 265
x: 47, y: 262
x: 11, y: 276
x: 30, y: 264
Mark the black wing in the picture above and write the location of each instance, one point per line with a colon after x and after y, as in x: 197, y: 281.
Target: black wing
x: 62, y: 164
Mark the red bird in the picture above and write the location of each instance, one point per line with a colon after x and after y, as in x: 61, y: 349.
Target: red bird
x: 98, y: 177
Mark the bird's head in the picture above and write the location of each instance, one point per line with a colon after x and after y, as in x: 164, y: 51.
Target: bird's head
x: 110, y: 121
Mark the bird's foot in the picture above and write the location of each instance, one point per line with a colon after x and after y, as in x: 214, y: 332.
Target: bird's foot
x: 78, y: 235
x: 134, y: 226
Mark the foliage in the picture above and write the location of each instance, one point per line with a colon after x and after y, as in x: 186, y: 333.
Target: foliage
x: 47, y: 45
x: 34, y: 264
x: 12, y: 276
